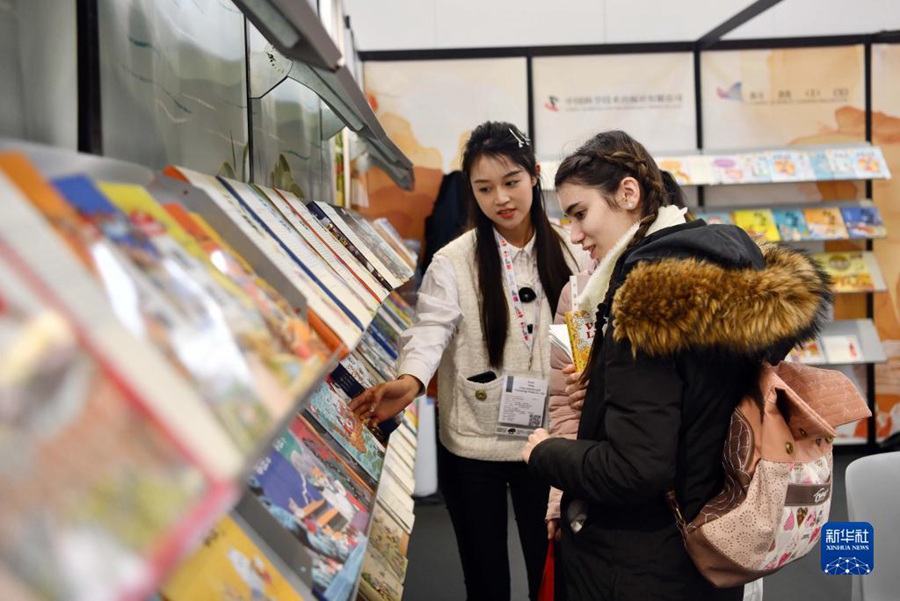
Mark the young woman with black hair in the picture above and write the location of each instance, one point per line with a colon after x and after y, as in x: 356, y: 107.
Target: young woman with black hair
x: 483, y: 313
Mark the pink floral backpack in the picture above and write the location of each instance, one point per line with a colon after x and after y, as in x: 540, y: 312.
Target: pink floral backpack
x: 778, y: 478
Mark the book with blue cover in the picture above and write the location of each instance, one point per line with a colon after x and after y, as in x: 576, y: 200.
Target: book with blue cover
x: 863, y: 222
x: 791, y: 224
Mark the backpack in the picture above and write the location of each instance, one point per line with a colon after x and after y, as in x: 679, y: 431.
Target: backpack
x: 778, y: 475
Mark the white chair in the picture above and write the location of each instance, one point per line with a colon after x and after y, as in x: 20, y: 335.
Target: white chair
x: 873, y: 494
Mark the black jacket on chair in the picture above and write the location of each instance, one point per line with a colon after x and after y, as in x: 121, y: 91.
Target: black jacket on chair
x: 695, y: 310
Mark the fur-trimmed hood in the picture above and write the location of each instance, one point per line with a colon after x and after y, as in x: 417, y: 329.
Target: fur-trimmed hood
x: 682, y: 300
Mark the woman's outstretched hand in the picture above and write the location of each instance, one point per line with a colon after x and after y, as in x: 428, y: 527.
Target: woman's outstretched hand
x: 386, y: 400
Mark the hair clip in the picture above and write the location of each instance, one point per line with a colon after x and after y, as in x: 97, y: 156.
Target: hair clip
x: 522, y: 139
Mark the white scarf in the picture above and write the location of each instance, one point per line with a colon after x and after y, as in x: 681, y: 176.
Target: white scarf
x: 595, y: 289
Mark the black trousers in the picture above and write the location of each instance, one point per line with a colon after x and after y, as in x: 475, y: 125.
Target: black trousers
x: 475, y: 492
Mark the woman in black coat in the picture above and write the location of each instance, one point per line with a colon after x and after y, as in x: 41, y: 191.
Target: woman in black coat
x: 686, y: 314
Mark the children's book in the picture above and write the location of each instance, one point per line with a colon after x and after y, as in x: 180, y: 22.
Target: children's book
x: 869, y: 163
x: 332, y: 456
x: 863, y: 222
x: 841, y: 163
x: 790, y: 166
x: 580, y: 326
x: 809, y: 352
x: 678, y: 167
x: 86, y: 462
x: 715, y: 218
x: 842, y: 349
x: 318, y: 516
x: 270, y: 259
x: 229, y: 567
x: 759, y: 223
x: 818, y: 160
x: 849, y: 271
x: 791, y: 224
x: 377, y: 582
x: 329, y: 406
x: 390, y: 540
x: 745, y: 168
x: 164, y: 295
x: 825, y: 223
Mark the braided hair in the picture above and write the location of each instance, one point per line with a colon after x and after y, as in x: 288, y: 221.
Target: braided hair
x: 604, y: 161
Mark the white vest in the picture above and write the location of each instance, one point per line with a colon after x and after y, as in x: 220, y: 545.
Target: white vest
x: 469, y: 410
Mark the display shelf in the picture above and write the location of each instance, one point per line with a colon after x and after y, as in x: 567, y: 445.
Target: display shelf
x: 825, y: 221
x: 843, y: 342
x: 794, y: 164
x: 186, y: 413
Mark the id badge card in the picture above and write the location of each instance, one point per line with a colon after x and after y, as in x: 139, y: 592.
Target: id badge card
x: 523, y: 405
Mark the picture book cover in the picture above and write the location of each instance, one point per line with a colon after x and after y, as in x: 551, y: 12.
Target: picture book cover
x: 86, y: 465
x: 291, y: 329
x: 329, y: 406
x: 842, y: 349
x: 825, y: 223
x: 377, y: 582
x: 679, y: 168
x: 822, y: 169
x: 863, y: 222
x: 715, y: 218
x: 841, y: 163
x: 302, y: 508
x: 312, y: 434
x: 869, y: 163
x: 809, y: 352
x: 580, y: 325
x: 354, y: 506
x: 759, y: 223
x: 78, y: 236
x: 175, y: 310
x: 390, y: 540
x: 746, y: 168
x: 229, y: 567
x: 849, y: 271
x: 331, y: 323
x: 790, y: 166
x: 791, y: 224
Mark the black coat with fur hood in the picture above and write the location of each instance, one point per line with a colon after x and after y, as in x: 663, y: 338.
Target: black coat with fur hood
x: 695, y: 311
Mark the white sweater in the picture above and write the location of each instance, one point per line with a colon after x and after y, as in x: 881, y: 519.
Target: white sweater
x: 467, y: 422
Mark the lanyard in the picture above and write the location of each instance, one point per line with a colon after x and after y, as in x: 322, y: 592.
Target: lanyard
x: 518, y: 311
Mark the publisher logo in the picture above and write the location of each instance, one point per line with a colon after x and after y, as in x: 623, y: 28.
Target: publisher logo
x: 552, y: 104
x: 848, y: 548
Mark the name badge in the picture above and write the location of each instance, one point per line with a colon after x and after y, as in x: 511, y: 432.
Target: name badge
x: 523, y: 406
